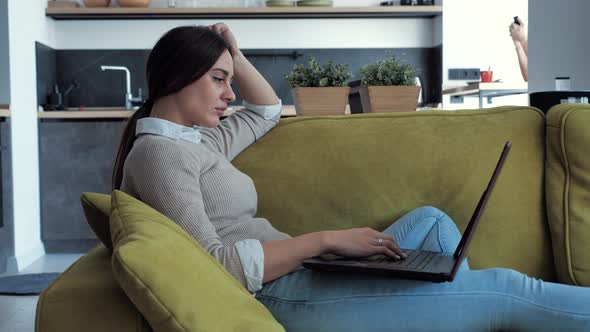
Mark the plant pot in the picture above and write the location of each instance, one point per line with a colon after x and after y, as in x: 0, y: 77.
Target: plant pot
x: 320, y: 101
x: 97, y: 3
x: 134, y: 3
x: 378, y: 99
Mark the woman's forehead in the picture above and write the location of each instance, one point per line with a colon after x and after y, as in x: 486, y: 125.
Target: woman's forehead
x: 224, y: 63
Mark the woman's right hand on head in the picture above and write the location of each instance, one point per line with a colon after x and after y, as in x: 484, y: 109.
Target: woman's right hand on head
x: 222, y: 29
x: 361, y: 242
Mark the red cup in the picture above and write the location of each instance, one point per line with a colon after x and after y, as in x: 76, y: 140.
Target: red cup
x: 486, y: 76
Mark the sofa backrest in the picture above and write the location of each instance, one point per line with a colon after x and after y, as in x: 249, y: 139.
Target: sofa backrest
x: 368, y: 170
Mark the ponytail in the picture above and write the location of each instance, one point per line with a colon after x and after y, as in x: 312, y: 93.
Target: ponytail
x: 127, y: 141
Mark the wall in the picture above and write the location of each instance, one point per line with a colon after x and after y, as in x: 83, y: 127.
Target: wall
x: 278, y: 33
x: 558, y: 44
x: 26, y: 24
x: 4, y: 76
x: 475, y: 35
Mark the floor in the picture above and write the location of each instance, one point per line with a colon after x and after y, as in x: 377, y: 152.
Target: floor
x: 17, y: 313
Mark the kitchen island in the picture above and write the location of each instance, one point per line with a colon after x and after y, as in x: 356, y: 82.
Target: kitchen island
x: 486, y: 90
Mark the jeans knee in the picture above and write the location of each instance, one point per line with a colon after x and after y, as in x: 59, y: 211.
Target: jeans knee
x: 430, y: 211
x: 440, y: 217
x: 509, y: 276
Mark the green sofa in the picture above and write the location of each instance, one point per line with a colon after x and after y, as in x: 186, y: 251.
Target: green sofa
x: 338, y: 172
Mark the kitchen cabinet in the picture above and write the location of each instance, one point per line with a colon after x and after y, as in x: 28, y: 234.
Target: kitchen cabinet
x: 75, y: 156
x: 6, y: 211
x: 6, y: 172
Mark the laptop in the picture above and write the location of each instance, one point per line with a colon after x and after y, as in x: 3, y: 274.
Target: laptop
x: 420, y: 264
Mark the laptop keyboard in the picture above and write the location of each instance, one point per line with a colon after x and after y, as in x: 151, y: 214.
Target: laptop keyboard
x: 416, y: 260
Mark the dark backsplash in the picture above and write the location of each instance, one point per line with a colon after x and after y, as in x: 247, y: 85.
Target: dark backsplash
x: 107, y: 88
x: 46, y: 71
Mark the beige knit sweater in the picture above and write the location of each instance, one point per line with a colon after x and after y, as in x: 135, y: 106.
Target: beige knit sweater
x: 194, y: 184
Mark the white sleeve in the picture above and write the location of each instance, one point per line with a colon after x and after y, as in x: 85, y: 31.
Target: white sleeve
x: 252, y: 259
x: 268, y: 112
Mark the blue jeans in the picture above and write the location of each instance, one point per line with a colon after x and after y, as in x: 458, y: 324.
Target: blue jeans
x: 484, y: 300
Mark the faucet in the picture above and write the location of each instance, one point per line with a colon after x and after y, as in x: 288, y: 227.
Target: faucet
x: 129, y: 99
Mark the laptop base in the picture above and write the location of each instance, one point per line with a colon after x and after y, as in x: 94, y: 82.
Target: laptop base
x: 319, y: 264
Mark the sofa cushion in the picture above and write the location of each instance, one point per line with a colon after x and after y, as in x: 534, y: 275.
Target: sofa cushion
x: 568, y: 190
x: 369, y: 169
x: 86, y: 297
x: 97, y: 208
x: 172, y: 280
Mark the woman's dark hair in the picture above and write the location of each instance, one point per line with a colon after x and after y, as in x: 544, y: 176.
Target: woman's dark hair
x: 181, y: 56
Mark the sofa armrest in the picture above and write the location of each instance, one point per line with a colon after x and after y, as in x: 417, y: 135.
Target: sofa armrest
x: 86, y: 297
x: 567, y: 181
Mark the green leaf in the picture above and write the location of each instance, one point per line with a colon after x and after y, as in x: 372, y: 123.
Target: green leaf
x: 388, y: 72
x: 316, y: 75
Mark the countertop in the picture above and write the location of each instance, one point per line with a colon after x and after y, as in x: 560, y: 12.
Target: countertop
x: 4, y: 111
x: 119, y: 112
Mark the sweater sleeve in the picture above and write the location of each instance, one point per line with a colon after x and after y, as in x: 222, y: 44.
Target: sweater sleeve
x: 166, y: 177
x: 239, y: 130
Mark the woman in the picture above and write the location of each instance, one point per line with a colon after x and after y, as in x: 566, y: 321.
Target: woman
x: 175, y: 156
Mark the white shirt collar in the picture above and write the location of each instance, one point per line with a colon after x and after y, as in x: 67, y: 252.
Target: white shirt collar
x: 157, y: 126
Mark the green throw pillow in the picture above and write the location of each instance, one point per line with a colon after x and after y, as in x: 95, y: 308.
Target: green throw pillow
x: 172, y: 280
x: 97, y: 208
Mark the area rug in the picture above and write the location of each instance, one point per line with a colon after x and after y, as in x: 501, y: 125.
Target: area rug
x: 26, y: 284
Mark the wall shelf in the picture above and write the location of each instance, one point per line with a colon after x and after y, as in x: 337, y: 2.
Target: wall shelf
x: 116, y: 13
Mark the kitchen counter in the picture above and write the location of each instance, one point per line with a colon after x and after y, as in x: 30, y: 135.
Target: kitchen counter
x: 4, y: 111
x: 87, y: 113
x: 119, y: 112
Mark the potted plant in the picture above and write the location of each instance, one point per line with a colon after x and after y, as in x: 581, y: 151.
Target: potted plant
x: 319, y: 90
x: 389, y: 86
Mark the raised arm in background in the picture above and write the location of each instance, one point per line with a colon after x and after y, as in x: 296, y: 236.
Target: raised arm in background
x: 521, y: 45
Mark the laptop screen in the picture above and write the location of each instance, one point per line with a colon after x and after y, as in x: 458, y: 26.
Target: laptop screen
x: 461, y: 250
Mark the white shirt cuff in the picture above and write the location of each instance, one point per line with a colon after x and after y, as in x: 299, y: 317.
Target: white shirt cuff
x: 252, y: 259
x: 268, y: 112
